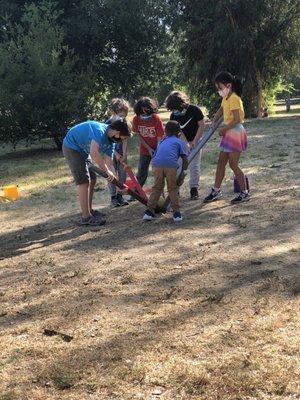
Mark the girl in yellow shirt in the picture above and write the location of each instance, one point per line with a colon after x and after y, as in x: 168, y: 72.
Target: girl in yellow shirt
x: 233, y: 134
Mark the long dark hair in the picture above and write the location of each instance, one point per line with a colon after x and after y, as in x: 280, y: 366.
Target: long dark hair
x: 227, y: 77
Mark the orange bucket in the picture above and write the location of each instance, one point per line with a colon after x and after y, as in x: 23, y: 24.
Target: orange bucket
x: 11, y: 192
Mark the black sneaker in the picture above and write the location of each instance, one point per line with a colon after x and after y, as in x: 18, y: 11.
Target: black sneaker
x: 240, y: 198
x: 213, y: 196
x: 194, y: 194
x: 148, y: 215
x: 114, y: 202
x: 177, y: 217
x: 121, y: 200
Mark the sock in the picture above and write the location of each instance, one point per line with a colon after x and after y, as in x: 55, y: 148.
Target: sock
x: 216, y: 189
x: 245, y: 191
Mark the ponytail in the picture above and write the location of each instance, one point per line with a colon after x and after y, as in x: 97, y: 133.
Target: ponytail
x: 237, y: 86
x: 227, y: 77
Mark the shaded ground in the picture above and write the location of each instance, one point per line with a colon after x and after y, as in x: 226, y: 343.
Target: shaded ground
x: 207, y: 309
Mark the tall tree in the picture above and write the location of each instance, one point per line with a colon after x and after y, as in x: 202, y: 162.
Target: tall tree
x: 254, y: 39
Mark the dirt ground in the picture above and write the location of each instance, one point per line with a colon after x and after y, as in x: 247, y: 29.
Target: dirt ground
x: 205, y: 309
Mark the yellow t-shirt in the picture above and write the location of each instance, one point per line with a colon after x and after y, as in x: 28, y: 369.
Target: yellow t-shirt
x: 233, y: 103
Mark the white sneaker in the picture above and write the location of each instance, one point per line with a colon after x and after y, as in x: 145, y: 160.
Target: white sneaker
x: 148, y: 216
x: 177, y: 217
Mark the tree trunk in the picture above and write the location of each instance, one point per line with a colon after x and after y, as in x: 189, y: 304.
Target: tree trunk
x: 253, y: 97
x: 288, y: 102
x: 253, y: 87
x: 58, y: 142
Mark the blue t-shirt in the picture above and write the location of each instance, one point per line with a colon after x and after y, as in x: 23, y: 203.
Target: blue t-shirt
x: 168, y: 152
x: 80, y: 136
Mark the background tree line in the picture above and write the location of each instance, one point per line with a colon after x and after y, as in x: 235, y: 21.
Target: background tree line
x: 61, y: 61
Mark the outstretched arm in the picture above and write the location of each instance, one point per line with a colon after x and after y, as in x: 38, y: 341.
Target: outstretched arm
x: 104, y: 163
x: 199, y: 133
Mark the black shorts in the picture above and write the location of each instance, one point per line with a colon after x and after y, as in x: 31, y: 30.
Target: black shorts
x: 79, y: 166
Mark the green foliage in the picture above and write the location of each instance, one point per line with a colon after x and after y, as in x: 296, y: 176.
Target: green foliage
x: 291, y: 76
x: 271, y: 92
x: 61, y: 62
x: 41, y: 95
x: 254, y: 39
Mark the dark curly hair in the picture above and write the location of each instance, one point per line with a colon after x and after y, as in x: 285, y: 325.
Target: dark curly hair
x: 177, y: 100
x: 122, y: 126
x: 145, y: 105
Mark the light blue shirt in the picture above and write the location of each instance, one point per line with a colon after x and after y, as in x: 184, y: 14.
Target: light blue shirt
x: 79, y: 138
x: 168, y: 152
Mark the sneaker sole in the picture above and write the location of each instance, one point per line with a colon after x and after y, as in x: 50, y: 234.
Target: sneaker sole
x: 238, y: 202
x: 212, y: 200
x: 147, y: 218
x: 177, y: 219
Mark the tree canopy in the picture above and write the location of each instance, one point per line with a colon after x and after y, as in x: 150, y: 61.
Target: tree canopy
x: 61, y: 61
x: 254, y: 39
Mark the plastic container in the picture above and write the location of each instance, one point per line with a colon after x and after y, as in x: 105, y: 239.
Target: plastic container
x: 236, y: 186
x: 11, y: 192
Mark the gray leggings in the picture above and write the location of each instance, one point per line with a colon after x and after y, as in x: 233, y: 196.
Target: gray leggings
x: 195, y: 168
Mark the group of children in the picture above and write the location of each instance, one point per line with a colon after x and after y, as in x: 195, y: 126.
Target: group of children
x: 106, y: 145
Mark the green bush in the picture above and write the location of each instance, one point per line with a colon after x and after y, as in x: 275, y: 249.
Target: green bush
x: 271, y: 91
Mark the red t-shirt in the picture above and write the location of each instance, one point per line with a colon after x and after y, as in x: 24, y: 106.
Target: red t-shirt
x: 151, y: 131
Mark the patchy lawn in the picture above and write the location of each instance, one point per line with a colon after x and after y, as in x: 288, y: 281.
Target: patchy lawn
x: 206, y: 309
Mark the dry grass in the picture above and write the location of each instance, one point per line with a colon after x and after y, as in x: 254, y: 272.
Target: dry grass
x: 208, y: 309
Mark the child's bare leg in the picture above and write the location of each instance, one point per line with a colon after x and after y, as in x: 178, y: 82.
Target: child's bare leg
x: 234, y: 165
x: 83, y: 195
x: 220, y: 173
